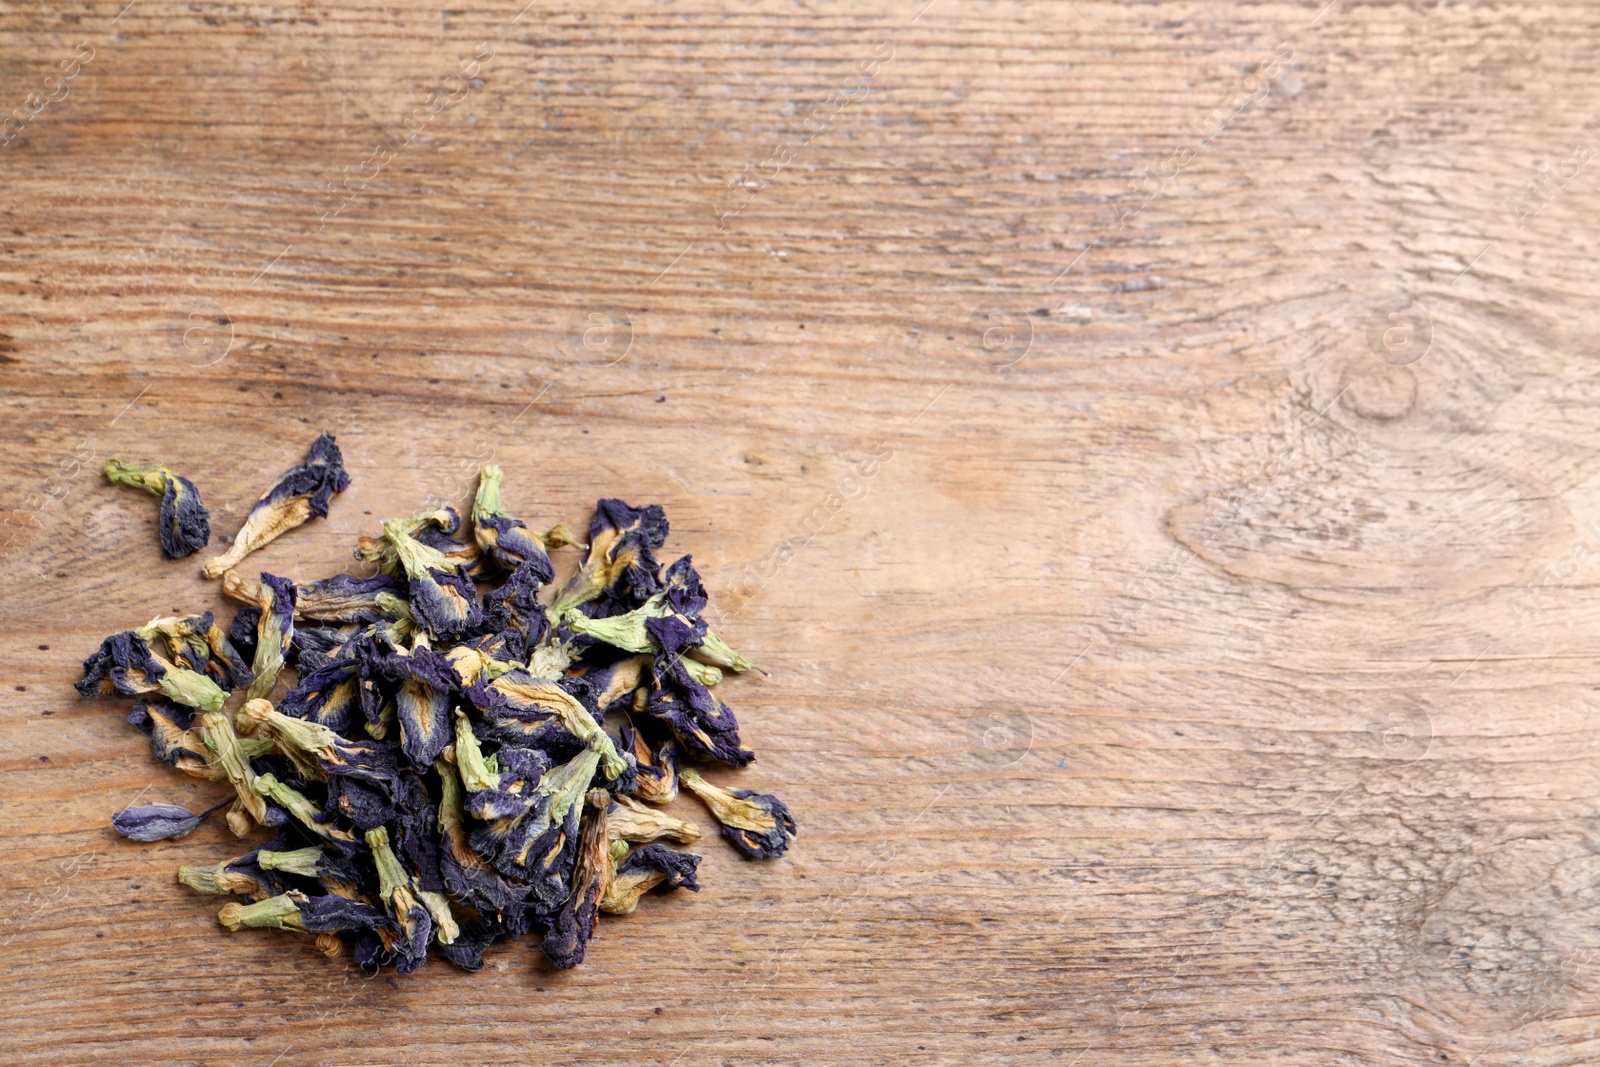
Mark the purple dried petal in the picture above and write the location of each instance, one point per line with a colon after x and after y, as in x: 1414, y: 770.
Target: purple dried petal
x: 158, y: 822
x: 185, y: 522
x: 123, y: 664
x: 679, y: 868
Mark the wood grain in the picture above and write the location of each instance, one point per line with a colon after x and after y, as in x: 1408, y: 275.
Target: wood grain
x: 1201, y: 676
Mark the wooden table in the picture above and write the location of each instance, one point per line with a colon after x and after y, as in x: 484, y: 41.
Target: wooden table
x: 1151, y: 449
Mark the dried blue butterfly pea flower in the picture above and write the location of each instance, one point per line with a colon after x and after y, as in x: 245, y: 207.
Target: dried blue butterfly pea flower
x: 227, y: 665
x: 422, y: 703
x: 159, y: 822
x: 681, y: 585
x: 656, y: 779
x: 185, y: 523
x: 466, y: 951
x: 242, y: 631
x: 360, y: 803
x: 514, y: 612
x: 240, y: 876
x: 551, y: 861
x: 432, y: 529
x: 125, y: 664
x: 196, y: 643
x: 415, y: 832
x: 620, y: 542
x: 335, y: 913
x: 297, y: 495
x: 274, y: 633
x: 468, y: 876
x: 573, y: 924
x: 653, y: 868
x: 636, y: 823
x: 346, y: 598
x: 337, y: 873
x: 297, y: 912
x: 445, y: 601
x: 442, y: 598
x: 315, y: 646
x: 514, y: 791
x: 409, y: 907
x: 303, y: 809
x: 702, y: 723
x: 506, y: 540
x: 759, y: 825
x: 319, y: 752
x: 342, y: 598
x: 327, y: 695
x: 171, y: 739
x: 612, y: 684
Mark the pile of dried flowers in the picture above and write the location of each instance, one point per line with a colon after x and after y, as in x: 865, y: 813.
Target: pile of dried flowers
x: 439, y: 773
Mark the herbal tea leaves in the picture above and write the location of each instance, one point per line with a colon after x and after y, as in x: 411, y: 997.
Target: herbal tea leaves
x: 429, y: 746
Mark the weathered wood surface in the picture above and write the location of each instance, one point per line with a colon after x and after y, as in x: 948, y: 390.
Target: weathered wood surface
x: 1204, y: 674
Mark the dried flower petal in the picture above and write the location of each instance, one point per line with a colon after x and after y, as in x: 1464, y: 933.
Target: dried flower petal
x: 636, y: 823
x: 422, y: 703
x: 274, y: 633
x: 654, y: 867
x: 171, y: 739
x: 442, y: 598
x: 185, y: 523
x: 704, y: 725
x: 506, y: 540
x: 159, y: 822
x: 298, y: 494
x: 620, y: 542
x: 573, y: 925
x: 759, y: 825
x: 328, y: 695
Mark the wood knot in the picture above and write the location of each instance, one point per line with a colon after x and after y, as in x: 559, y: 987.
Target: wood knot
x: 1377, y: 391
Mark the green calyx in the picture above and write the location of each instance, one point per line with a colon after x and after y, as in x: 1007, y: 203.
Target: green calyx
x: 152, y: 479
x: 400, y: 890
x: 192, y: 689
x: 566, y: 784
x: 391, y: 875
x: 301, y: 861
x: 280, y: 912
x: 626, y: 631
x: 715, y: 651
x: 394, y: 607
x: 300, y: 806
x: 303, y: 741
x: 223, y: 744
x: 487, y: 503
x: 704, y: 673
x: 416, y: 557
x: 476, y: 775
